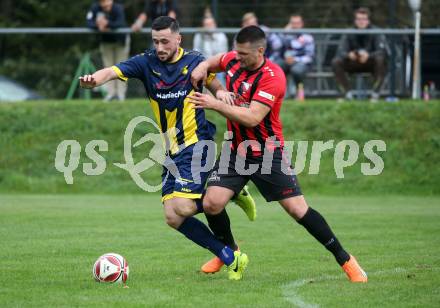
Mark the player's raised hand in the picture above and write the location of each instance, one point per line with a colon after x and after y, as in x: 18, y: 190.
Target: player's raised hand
x: 199, y: 74
x: 87, y: 82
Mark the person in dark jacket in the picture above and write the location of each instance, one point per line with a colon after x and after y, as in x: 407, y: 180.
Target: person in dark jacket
x: 154, y: 9
x: 360, y: 53
x: 106, y: 16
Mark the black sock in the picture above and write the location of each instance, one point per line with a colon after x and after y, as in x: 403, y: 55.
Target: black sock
x: 318, y: 227
x: 221, y: 227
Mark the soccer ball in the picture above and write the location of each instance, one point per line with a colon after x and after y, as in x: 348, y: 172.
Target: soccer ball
x: 111, y: 268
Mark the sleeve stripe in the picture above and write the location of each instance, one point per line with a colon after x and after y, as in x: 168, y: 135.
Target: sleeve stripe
x: 268, y: 105
x: 210, y: 78
x: 121, y: 76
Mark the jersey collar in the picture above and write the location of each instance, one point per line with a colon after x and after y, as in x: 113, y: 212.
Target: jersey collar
x: 257, y: 69
x: 179, y: 56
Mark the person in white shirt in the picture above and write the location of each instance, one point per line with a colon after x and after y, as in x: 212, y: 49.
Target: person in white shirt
x: 299, y: 52
x: 212, y: 42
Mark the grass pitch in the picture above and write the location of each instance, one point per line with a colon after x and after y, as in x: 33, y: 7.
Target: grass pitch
x: 50, y: 242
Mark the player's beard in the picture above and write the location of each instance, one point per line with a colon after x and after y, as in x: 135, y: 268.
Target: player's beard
x: 243, y: 65
x: 246, y: 66
x: 170, y: 57
x: 250, y: 64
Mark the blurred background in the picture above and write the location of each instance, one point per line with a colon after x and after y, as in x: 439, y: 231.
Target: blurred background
x: 47, y: 63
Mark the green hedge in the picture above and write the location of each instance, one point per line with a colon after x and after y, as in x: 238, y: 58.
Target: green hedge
x: 30, y: 133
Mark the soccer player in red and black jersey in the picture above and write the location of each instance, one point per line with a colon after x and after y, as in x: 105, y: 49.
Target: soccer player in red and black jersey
x: 256, y: 150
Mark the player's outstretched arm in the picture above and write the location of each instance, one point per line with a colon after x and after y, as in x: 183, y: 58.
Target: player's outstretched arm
x: 249, y: 117
x: 98, y: 78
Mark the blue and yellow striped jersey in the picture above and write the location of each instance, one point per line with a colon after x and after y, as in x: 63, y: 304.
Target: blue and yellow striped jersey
x: 167, y: 85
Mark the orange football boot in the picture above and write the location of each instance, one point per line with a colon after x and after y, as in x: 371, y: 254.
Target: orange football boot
x: 214, y: 265
x: 354, y: 271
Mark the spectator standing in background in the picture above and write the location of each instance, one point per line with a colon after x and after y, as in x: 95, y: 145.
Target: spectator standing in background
x: 299, y: 51
x: 154, y: 9
x: 360, y: 53
x: 106, y: 16
x: 212, y: 42
x: 274, y: 50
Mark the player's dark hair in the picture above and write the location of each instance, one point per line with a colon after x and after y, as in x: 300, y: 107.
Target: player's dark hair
x: 165, y: 22
x: 251, y: 34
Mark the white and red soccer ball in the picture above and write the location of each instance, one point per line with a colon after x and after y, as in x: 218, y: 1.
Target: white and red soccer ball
x: 111, y: 268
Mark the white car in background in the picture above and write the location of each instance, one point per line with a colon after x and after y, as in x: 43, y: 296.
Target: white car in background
x: 12, y: 91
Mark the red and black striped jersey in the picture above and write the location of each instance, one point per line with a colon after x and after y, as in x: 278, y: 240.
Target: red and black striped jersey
x: 265, y: 85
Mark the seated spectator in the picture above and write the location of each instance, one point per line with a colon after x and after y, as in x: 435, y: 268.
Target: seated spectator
x: 274, y: 49
x: 361, y: 53
x: 106, y: 16
x: 211, y: 43
x: 299, y: 51
x: 154, y: 9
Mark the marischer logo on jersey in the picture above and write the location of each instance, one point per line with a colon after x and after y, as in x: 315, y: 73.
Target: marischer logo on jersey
x: 172, y: 94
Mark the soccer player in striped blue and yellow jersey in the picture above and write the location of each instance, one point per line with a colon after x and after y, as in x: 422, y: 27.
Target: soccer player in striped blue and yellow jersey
x: 165, y: 72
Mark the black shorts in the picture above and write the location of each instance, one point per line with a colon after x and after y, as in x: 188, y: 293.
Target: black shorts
x: 275, y: 181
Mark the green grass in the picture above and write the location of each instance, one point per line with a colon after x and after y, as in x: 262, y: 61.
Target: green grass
x: 30, y: 133
x: 49, y: 243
